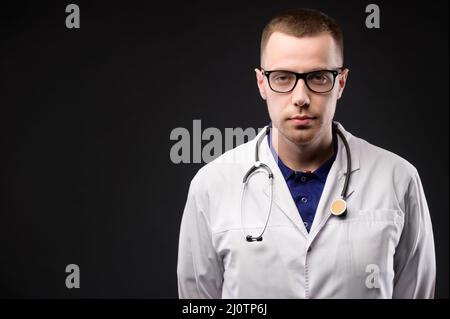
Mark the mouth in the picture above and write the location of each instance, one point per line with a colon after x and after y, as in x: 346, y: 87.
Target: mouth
x: 302, y: 120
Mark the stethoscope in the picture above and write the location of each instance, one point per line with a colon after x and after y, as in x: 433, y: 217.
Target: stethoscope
x: 337, y: 208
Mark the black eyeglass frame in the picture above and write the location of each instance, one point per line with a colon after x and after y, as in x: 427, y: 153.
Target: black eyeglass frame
x: 303, y: 76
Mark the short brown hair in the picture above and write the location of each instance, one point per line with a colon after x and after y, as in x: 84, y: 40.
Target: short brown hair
x: 303, y: 22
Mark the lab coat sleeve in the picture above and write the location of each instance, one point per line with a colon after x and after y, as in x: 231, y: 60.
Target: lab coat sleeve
x: 199, y: 269
x: 414, y: 262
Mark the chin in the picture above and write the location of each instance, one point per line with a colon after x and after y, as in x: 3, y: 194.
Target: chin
x: 300, y: 135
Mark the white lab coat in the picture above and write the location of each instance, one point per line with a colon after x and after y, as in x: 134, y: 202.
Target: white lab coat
x: 383, y: 248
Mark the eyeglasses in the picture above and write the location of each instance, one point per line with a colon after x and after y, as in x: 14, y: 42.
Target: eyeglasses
x: 321, y: 81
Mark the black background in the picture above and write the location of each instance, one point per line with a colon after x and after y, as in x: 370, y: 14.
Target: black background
x: 86, y: 116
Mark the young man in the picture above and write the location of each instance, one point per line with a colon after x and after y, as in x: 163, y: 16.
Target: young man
x: 296, y: 237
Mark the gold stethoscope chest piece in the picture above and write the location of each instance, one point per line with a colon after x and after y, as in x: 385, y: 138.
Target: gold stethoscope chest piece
x: 338, y: 207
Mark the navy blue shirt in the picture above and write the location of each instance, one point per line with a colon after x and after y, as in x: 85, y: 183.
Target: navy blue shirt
x: 306, y: 187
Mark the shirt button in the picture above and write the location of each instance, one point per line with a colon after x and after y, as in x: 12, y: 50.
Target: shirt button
x: 309, y: 249
x: 304, y: 200
x: 303, y: 178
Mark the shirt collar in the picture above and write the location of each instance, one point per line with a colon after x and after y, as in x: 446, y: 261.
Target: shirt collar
x: 321, y: 173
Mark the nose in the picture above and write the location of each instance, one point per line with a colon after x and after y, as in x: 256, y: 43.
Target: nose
x: 300, y: 94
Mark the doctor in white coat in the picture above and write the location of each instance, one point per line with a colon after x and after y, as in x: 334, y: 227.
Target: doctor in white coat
x: 380, y: 247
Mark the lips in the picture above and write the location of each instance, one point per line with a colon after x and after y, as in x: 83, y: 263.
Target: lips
x: 302, y: 117
x: 302, y: 120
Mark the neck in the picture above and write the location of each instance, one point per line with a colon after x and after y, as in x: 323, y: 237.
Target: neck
x: 303, y: 157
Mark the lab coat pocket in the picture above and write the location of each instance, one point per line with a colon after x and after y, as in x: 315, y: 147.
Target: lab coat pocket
x: 378, y: 229
x: 369, y: 229
x: 371, y: 216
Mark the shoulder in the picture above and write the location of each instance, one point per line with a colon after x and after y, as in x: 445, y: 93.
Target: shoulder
x: 382, y: 158
x: 379, y: 164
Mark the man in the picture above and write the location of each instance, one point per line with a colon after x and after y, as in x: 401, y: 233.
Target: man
x: 240, y: 242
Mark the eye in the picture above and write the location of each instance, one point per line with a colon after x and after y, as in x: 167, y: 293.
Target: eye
x: 281, y: 77
x: 320, y: 77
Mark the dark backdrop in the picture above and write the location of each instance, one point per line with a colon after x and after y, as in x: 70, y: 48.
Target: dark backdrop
x: 86, y: 116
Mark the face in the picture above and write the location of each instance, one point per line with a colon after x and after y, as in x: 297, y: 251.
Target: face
x: 285, y: 52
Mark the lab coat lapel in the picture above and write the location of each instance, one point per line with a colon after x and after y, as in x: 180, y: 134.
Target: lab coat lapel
x: 335, y: 181
x: 281, y: 195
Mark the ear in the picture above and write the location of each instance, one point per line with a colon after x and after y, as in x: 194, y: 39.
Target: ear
x: 260, y: 83
x: 342, y: 81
